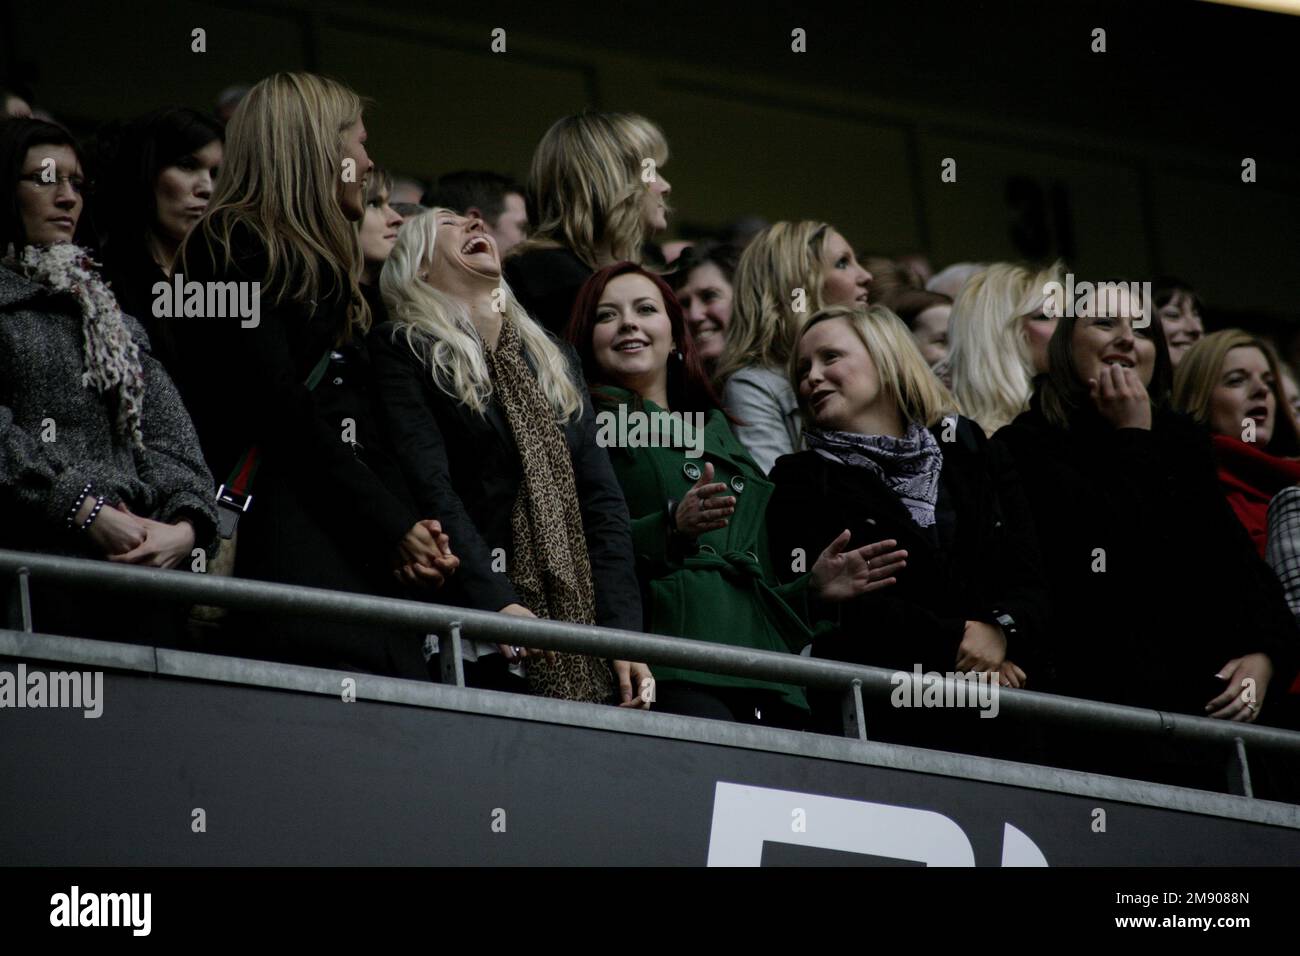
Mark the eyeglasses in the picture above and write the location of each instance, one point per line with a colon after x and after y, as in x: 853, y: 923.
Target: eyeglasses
x: 79, y: 185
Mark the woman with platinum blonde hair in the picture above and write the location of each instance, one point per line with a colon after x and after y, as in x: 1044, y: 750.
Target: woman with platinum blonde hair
x: 597, y: 194
x: 998, y: 333
x: 788, y: 272
x: 493, y: 428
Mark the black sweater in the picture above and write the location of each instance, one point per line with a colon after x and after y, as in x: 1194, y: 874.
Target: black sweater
x: 546, y: 283
x: 1182, y: 592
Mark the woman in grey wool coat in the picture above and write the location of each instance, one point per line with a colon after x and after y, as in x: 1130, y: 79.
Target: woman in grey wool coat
x: 98, y: 457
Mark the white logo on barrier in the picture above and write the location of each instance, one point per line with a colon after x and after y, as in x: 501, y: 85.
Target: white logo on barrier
x: 745, y: 817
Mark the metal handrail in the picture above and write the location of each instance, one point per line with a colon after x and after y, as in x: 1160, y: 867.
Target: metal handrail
x: 874, y: 682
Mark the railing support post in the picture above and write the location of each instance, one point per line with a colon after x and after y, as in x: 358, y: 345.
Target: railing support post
x: 449, y: 659
x: 855, y: 718
x: 1239, y: 770
x: 18, y: 602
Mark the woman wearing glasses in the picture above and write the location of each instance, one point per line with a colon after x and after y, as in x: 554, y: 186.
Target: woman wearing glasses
x: 98, y: 457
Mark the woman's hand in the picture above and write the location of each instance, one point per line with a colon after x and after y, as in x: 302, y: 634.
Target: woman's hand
x: 164, y: 545
x: 983, y: 647
x: 1009, y: 675
x: 513, y: 652
x: 839, y: 575
x: 423, y: 557
x: 115, y: 530
x: 1247, y: 679
x: 704, y: 508
x: 636, y: 685
x: 1121, y: 398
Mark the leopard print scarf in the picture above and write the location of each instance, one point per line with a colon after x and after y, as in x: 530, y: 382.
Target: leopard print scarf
x: 550, y: 568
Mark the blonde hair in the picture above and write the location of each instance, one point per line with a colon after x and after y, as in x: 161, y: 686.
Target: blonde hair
x: 279, y: 179
x: 782, y: 258
x: 440, y: 332
x: 585, y: 186
x: 1199, y: 373
x: 992, y: 371
x: 904, y: 375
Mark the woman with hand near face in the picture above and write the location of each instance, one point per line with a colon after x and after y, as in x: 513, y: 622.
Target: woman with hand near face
x: 495, y: 434
x: 1155, y: 585
x: 98, y: 457
x: 159, y: 177
x: 699, y: 509
x: 788, y: 272
x: 327, y: 509
x: 888, y: 455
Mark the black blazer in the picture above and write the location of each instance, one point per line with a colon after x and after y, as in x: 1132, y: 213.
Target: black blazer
x: 546, y: 283
x: 1183, y: 590
x: 464, y: 469
x: 979, y: 560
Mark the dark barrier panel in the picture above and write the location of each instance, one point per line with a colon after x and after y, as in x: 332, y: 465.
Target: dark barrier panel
x: 185, y: 771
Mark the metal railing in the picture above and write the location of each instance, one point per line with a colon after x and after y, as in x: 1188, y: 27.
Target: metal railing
x: 17, y: 569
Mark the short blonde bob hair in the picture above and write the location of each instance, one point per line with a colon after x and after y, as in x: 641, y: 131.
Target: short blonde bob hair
x: 904, y: 374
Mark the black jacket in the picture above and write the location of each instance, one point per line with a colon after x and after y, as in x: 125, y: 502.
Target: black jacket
x: 979, y: 560
x: 326, y: 510
x: 546, y: 283
x: 464, y: 469
x: 1182, y: 592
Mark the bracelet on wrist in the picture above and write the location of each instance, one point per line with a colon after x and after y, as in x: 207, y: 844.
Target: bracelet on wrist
x: 94, y: 513
x: 81, y: 498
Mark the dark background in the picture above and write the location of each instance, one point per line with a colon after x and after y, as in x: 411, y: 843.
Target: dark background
x: 1126, y: 162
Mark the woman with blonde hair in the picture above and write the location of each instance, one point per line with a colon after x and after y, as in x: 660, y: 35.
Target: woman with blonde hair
x: 997, y: 334
x: 789, y: 271
x: 279, y: 389
x: 1230, y: 382
x: 495, y: 434
x: 596, y: 194
x: 889, y: 457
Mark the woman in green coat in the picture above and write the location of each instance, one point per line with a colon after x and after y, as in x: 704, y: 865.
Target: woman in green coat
x: 699, y: 505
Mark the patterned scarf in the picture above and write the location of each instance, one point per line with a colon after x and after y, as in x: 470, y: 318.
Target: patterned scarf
x: 907, y: 466
x: 112, y: 357
x: 550, y: 568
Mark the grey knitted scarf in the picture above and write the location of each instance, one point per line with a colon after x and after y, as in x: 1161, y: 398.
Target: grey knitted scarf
x: 112, y: 357
x: 907, y: 466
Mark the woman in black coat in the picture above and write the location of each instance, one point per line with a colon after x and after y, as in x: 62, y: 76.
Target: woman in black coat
x: 1159, y: 598
x: 324, y: 512
x: 887, y: 459
x: 158, y: 177
x: 476, y: 458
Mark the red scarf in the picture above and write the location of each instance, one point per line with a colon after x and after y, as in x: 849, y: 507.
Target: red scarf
x: 1251, y: 477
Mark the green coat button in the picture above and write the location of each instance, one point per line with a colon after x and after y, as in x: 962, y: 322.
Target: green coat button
x: 737, y: 484
x: 691, y: 471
